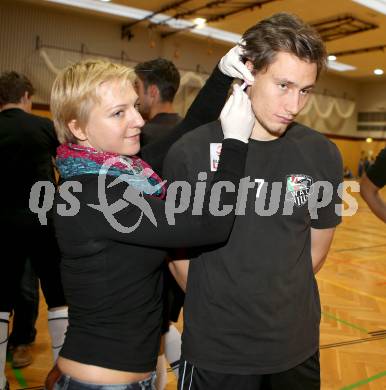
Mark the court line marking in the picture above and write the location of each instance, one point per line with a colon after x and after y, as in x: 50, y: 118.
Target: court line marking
x: 347, y: 323
x: 361, y: 232
x: 364, y: 381
x: 19, y: 377
x: 360, y: 292
x: 352, y: 342
x: 378, y: 332
x: 358, y: 248
x: 350, y: 264
x: 32, y: 388
x: 16, y: 372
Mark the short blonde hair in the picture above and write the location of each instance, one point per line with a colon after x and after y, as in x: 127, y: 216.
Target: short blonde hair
x: 75, y: 92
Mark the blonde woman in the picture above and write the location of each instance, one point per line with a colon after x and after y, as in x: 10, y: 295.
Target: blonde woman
x: 111, y: 263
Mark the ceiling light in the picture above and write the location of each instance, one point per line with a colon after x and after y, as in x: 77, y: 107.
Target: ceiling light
x: 138, y: 14
x: 369, y: 140
x: 107, y: 8
x: 377, y: 5
x: 105, y: 1
x: 199, y: 22
x: 216, y: 33
x: 331, y: 58
x: 378, y: 72
x: 339, y: 66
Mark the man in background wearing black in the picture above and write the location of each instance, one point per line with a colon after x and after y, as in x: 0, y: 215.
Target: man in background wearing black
x: 156, y: 84
x: 372, y: 181
x: 27, y: 145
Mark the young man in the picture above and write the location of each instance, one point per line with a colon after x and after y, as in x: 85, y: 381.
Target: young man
x: 27, y: 145
x: 156, y: 85
x: 252, y: 311
x: 372, y: 181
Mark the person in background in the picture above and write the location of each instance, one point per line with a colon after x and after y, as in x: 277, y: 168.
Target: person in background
x: 27, y: 145
x: 156, y: 84
x: 347, y: 174
x: 361, y: 165
x: 372, y: 182
x: 366, y: 164
x: 25, y: 313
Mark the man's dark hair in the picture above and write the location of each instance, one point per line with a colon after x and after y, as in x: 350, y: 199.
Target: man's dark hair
x: 283, y: 32
x: 163, y: 74
x: 13, y: 86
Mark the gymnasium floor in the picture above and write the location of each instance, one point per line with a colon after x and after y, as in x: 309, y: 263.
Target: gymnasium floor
x: 352, y: 286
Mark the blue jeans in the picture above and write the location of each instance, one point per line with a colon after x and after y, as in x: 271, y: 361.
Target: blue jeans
x: 65, y: 382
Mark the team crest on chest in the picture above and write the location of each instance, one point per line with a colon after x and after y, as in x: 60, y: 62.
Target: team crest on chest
x: 298, y: 188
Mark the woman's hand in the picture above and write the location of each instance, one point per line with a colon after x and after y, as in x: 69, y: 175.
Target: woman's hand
x: 237, y: 118
x: 232, y: 66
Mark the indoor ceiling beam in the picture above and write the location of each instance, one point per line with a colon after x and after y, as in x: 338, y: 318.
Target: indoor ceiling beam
x: 126, y: 28
x: 359, y: 51
x: 192, y: 11
x: 222, y: 16
x: 341, y: 26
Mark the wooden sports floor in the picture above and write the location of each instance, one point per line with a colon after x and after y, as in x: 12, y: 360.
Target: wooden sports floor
x: 352, y: 286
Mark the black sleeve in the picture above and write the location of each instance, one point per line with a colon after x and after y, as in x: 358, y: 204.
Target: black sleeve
x: 327, y: 216
x: 377, y: 172
x: 205, y: 108
x: 49, y: 130
x: 188, y: 230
